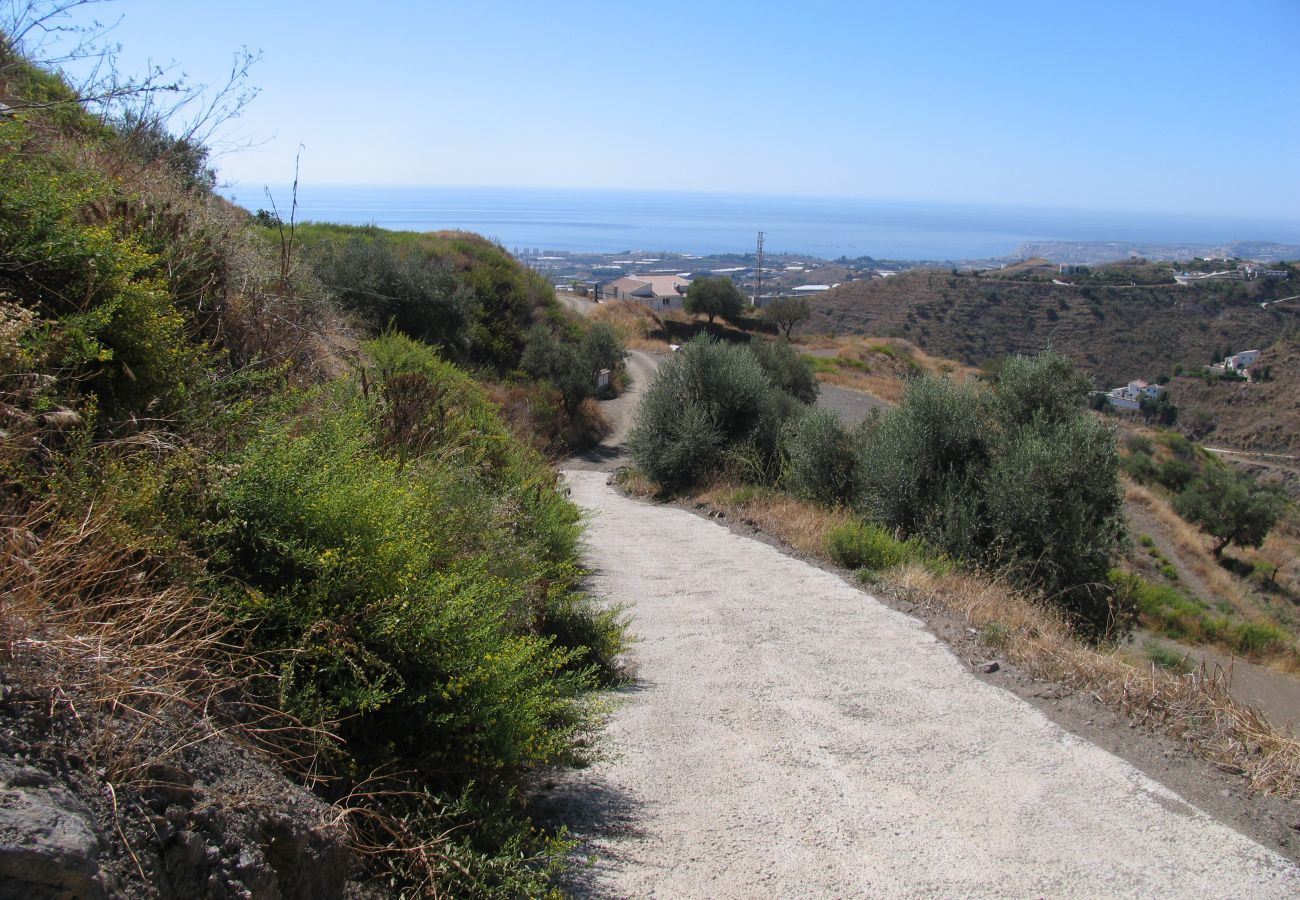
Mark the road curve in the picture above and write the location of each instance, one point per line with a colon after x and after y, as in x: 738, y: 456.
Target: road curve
x: 787, y: 735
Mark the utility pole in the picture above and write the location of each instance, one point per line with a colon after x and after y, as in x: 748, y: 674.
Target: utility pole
x: 758, y: 272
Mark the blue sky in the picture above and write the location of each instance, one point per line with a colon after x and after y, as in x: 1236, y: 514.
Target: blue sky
x: 1180, y: 107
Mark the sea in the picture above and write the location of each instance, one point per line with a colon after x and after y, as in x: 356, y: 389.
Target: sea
x: 607, y: 221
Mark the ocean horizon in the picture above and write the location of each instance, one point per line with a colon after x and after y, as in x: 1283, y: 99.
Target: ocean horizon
x: 608, y: 221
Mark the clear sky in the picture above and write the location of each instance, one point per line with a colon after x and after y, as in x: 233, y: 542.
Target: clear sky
x: 1156, y: 106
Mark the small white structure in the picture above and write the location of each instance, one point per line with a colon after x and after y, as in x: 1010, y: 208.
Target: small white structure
x: 1239, y: 362
x: 1254, y: 271
x: 655, y: 291
x: 1132, y: 394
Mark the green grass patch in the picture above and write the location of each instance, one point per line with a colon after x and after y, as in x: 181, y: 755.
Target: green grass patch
x: 861, y: 545
x: 1165, y: 657
x: 1174, y: 615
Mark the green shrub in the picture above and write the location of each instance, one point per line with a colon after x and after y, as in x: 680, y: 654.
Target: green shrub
x: 710, y: 407
x: 1254, y: 639
x: 1044, y: 388
x: 786, y: 369
x: 422, y: 600
x: 1140, y: 467
x: 914, y: 462
x: 1138, y: 443
x: 1018, y: 477
x: 1175, y: 473
x: 453, y: 289
x: 1055, y: 509
x: 1165, y: 657
x: 818, y: 458
x: 110, y: 321
x: 571, y: 366
x: 418, y: 295
x: 861, y: 545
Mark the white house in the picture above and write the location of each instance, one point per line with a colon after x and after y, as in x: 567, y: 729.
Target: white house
x: 1132, y: 394
x: 654, y: 291
x: 1239, y: 362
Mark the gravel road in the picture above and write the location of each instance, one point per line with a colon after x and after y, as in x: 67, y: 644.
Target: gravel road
x: 789, y: 736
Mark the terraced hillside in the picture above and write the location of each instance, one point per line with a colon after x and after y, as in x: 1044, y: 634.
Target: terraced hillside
x: 1115, y: 332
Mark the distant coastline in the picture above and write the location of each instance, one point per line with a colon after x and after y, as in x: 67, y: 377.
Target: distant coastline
x: 616, y: 221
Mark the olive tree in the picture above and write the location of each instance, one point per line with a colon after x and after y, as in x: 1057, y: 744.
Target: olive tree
x: 1231, y: 507
x: 787, y: 312
x: 714, y: 296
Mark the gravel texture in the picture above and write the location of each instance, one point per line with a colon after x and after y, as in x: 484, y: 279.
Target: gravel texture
x: 788, y: 735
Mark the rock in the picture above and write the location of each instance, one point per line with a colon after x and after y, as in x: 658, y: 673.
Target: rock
x: 49, y: 848
x: 990, y: 667
x: 168, y: 786
x: 309, y: 862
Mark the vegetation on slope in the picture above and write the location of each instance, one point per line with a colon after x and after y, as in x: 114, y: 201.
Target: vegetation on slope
x: 1017, y: 476
x: 1113, y: 332
x: 353, y: 565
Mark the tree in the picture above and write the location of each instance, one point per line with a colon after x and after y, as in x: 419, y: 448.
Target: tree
x: 572, y: 369
x: 787, y: 312
x: 1230, y: 506
x: 786, y: 369
x: 714, y: 296
x: 1158, y: 410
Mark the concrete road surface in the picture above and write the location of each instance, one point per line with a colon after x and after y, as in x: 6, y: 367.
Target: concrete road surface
x: 789, y: 736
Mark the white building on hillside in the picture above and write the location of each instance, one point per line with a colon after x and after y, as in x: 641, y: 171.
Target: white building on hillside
x: 1239, y: 362
x: 1131, y: 395
x: 655, y: 291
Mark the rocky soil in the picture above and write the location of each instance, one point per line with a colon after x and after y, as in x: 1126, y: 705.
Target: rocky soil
x: 102, y: 803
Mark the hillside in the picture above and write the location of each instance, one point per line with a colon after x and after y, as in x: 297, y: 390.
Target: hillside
x: 1114, y: 332
x: 1262, y: 416
x: 289, y: 609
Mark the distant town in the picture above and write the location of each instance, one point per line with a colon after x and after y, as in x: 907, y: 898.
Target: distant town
x: 659, y: 279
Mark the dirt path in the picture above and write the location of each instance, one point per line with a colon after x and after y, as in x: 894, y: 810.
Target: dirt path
x: 787, y: 735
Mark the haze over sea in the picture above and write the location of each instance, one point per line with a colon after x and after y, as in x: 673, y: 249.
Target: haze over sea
x: 603, y: 221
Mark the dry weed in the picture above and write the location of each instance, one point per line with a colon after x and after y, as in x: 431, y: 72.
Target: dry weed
x: 99, y: 628
x: 638, y: 327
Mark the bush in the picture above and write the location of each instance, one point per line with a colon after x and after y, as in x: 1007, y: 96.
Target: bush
x: 452, y: 289
x: 417, y: 295
x: 914, y: 462
x: 818, y: 459
x: 1018, y: 477
x: 860, y: 545
x: 1175, y: 473
x: 710, y: 406
x: 714, y: 296
x: 787, y: 369
x: 1169, y: 612
x: 1230, y: 506
x: 1055, y: 509
x: 109, y: 320
x: 1140, y: 467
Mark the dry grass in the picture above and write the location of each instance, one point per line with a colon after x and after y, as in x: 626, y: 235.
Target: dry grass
x: 1195, y: 554
x: 880, y: 366
x: 634, y: 323
x: 1195, y: 707
x: 124, y: 652
x: 801, y: 524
